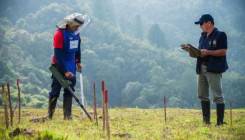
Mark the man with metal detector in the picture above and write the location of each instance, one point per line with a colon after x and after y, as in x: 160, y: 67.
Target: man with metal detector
x: 65, y: 61
x: 211, y: 63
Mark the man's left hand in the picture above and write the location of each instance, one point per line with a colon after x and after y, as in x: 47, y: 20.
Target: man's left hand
x: 79, y: 67
x: 204, y: 52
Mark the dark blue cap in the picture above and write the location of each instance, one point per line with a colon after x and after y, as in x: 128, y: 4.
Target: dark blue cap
x: 205, y: 18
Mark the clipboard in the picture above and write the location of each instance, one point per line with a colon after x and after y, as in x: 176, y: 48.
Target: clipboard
x: 193, y: 52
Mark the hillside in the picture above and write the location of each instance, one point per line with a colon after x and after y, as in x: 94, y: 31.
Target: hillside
x: 136, y: 51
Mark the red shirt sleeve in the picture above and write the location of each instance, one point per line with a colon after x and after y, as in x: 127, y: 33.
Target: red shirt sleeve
x: 58, y: 39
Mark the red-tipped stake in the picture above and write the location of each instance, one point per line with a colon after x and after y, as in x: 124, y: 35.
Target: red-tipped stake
x: 5, y: 107
x: 95, y: 106
x: 19, y: 101
x: 107, y: 114
x: 165, y: 109
x: 10, y: 105
x: 103, y: 103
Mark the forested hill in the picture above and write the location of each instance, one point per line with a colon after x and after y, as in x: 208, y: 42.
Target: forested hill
x: 133, y: 46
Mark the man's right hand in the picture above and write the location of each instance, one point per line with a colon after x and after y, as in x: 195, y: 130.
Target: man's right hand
x: 69, y: 75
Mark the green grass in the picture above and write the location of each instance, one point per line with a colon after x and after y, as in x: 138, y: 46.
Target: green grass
x: 129, y: 123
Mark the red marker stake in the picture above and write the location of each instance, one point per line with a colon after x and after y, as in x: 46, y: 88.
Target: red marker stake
x: 95, y: 106
x: 10, y: 105
x: 103, y: 103
x: 19, y: 101
x: 107, y: 115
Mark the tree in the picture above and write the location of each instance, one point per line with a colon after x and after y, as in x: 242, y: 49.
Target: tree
x: 156, y: 36
x: 131, y: 92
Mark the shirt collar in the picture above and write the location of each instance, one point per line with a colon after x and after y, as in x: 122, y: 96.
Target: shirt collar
x: 204, y: 34
x: 213, y: 32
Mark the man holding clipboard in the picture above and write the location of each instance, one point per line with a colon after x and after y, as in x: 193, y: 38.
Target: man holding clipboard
x: 211, y: 63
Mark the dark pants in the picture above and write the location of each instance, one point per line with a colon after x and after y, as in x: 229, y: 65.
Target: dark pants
x: 56, y: 87
x: 67, y: 97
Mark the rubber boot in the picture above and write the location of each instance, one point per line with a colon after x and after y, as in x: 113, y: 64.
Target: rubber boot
x: 206, y: 111
x: 51, y: 106
x: 220, y: 109
x: 67, y: 105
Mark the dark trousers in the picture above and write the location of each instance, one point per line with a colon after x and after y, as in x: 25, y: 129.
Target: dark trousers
x: 67, y: 97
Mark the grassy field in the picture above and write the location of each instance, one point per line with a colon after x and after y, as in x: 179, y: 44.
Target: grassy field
x: 127, y: 124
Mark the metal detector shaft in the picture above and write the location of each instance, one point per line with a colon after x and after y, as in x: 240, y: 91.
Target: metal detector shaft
x: 78, y: 102
x: 66, y: 84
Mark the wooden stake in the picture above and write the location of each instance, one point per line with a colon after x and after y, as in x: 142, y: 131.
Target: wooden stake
x: 103, y: 103
x: 165, y: 109
x: 95, y: 104
x: 107, y: 114
x: 5, y: 107
x: 230, y: 114
x: 10, y: 105
x: 19, y: 101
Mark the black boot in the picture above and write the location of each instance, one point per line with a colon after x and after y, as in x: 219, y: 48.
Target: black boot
x: 206, y: 111
x: 51, y: 106
x: 67, y: 105
x: 220, y: 109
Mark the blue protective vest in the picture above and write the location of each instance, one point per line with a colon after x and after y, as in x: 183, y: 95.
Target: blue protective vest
x: 71, y: 46
x: 214, y: 64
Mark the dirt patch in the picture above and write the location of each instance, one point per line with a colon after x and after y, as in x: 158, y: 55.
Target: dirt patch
x: 22, y: 131
x: 39, y: 119
x: 122, y: 135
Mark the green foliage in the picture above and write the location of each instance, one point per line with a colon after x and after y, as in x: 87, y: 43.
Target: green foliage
x: 48, y: 136
x: 139, y: 71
